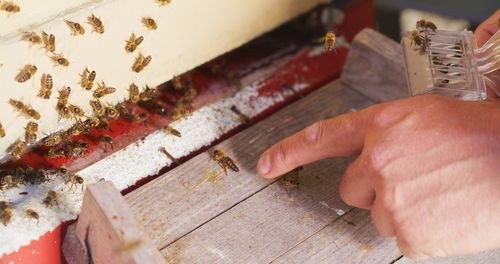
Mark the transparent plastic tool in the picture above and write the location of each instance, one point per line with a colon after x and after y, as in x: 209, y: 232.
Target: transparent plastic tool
x: 449, y: 63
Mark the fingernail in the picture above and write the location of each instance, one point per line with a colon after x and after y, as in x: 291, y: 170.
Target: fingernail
x: 264, y: 164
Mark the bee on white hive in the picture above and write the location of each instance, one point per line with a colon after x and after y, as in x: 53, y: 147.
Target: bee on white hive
x: 96, y: 24
x: 26, y: 73
x: 76, y: 28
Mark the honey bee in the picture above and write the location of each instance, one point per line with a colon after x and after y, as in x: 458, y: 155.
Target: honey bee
x: 177, y: 83
x: 9, y: 7
x: 51, y: 199
x: 181, y: 111
x: 141, y: 62
x: 163, y: 2
x: 49, y: 42
x: 31, y: 132
x: 244, y: 119
x: 111, y: 113
x: 75, y: 180
x: 52, y: 140
x: 329, y: 41
x: 425, y: 25
x: 10, y: 181
x: 81, y: 144
x: 26, y: 73
x: 17, y: 149
x: 32, y: 214
x: 224, y: 161
x: 58, y: 152
x: 148, y: 94
x: 24, y: 109
x: 133, y: 43
x: 64, y: 93
x: 419, y: 41
x: 6, y: 213
x: 106, y: 140
x: 291, y: 180
x: 133, y: 92
x: 97, y: 107
x: 87, y: 79
x: 171, y: 131
x: 2, y: 131
x: 92, y: 122
x: 76, y: 28
x: 46, y: 85
x: 63, y: 111
x: 149, y: 23
x: 96, y: 24
x: 32, y: 38
x: 103, y: 90
x: 76, y: 111
x: 141, y: 118
x: 104, y: 124
x: 59, y: 60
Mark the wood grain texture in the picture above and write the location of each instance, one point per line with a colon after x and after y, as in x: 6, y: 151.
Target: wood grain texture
x: 375, y: 67
x: 261, y: 228
x: 108, y: 231
x: 174, y: 204
x: 350, y: 239
x: 488, y: 257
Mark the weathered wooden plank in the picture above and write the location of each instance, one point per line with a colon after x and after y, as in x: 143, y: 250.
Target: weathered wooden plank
x: 176, y: 203
x: 106, y: 231
x: 261, y: 228
x: 481, y: 258
x: 375, y: 67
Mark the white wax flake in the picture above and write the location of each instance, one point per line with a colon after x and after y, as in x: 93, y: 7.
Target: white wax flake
x: 339, y: 211
x: 125, y: 167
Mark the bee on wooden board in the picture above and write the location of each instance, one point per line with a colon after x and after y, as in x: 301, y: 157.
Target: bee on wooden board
x: 49, y: 41
x: 51, y: 199
x: 140, y: 63
x: 6, y: 214
x: 31, y: 132
x: 141, y: 118
x: 181, y: 111
x: 291, y: 179
x: 163, y: 2
x: 46, y: 85
x: 225, y: 162
x: 425, y: 25
x: 172, y: 131
x: 133, y: 92
x: 75, y: 180
x: 11, y: 181
x: 32, y: 214
x: 17, y: 149
x: 329, y: 41
x: 76, y: 28
x: 32, y: 37
x: 26, y: 73
x: 78, y: 128
x: 24, y: 109
x: 96, y: 24
x: 81, y: 144
x: 133, y: 42
x: 9, y: 7
x: 149, y: 23
x: 103, y: 90
x: 59, y: 60
x: 148, y: 94
x: 2, y: 131
x: 97, y: 107
x: 52, y: 140
x: 58, y: 153
x: 87, y: 79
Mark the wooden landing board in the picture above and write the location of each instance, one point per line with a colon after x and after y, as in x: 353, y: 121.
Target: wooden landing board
x: 183, y: 199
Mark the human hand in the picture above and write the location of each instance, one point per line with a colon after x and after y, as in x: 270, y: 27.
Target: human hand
x: 428, y: 169
x: 487, y: 29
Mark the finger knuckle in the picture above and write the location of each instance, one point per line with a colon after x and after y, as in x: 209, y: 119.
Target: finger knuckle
x: 386, y: 116
x: 315, y: 134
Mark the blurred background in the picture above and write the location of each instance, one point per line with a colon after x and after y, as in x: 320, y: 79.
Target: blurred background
x: 395, y: 16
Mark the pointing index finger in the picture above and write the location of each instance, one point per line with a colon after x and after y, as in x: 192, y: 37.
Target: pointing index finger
x: 340, y: 136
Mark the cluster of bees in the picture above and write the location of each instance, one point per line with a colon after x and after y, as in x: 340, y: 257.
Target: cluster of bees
x: 420, y: 37
x: 28, y: 175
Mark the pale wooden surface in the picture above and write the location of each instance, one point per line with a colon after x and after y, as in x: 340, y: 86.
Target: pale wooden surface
x: 106, y: 231
x: 375, y: 67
